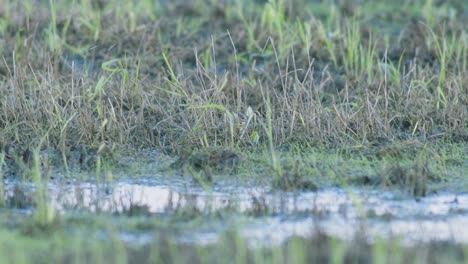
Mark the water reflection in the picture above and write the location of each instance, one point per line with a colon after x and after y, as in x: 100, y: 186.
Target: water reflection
x: 265, y: 215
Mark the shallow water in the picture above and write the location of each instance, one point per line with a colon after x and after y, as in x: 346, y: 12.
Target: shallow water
x: 265, y: 215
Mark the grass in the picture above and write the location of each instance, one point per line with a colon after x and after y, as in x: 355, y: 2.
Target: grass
x: 341, y: 87
x: 299, y: 95
x: 85, y: 243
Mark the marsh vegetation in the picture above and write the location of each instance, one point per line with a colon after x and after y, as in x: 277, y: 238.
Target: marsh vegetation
x: 248, y: 131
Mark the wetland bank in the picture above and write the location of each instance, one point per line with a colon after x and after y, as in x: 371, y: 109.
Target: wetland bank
x: 233, y: 131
